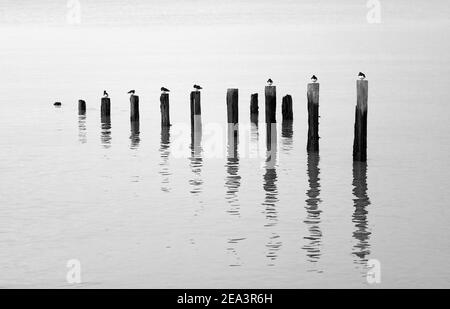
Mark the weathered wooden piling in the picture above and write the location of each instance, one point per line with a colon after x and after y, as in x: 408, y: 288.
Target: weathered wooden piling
x: 286, y: 108
x: 81, y: 107
x: 195, y: 105
x: 232, y: 106
x: 106, y: 107
x: 313, y: 117
x: 360, y: 139
x: 165, y: 116
x: 271, y: 104
x: 134, y: 108
x: 254, y: 108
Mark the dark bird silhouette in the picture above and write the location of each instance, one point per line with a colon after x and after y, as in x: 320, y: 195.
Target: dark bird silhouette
x: 197, y: 87
x: 361, y: 76
x: 164, y: 89
x: 57, y: 104
x: 269, y: 82
x: 105, y: 94
x: 314, y: 78
x: 131, y: 92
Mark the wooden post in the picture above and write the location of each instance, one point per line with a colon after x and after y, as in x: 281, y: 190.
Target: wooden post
x: 313, y: 117
x: 81, y: 107
x: 195, y: 105
x: 165, y: 116
x: 232, y: 106
x: 360, y: 140
x: 286, y: 108
x: 134, y: 108
x: 106, y: 107
x: 271, y: 104
x: 254, y: 109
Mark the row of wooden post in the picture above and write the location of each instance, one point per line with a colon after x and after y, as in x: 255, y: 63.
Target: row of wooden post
x: 232, y: 99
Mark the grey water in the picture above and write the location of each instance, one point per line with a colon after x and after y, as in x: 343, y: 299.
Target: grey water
x: 143, y: 206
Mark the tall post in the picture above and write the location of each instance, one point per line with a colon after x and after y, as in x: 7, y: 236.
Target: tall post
x: 134, y: 108
x: 271, y: 104
x: 195, y: 106
x: 313, y: 117
x: 254, y: 109
x: 286, y: 108
x: 232, y: 106
x: 360, y: 139
x: 165, y: 116
x: 106, y: 107
x: 81, y: 107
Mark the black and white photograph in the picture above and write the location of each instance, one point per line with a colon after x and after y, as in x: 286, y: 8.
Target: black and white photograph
x: 239, y: 144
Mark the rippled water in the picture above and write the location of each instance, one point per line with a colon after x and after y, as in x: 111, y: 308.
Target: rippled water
x: 143, y: 206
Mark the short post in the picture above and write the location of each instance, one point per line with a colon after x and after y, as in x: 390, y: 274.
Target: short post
x: 232, y: 106
x: 81, y: 107
x: 134, y: 108
x: 195, y: 105
x: 286, y: 108
x: 313, y: 117
x: 165, y: 118
x: 271, y: 104
x: 106, y: 107
x: 254, y: 109
x: 360, y: 139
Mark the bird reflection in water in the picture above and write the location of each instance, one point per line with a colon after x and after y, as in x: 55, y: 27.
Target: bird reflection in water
x: 82, y: 132
x: 196, y: 161
x: 361, y: 233
x: 164, y: 151
x: 135, y: 134
x: 232, y: 180
x: 106, y: 131
x: 271, y: 197
x: 313, y: 201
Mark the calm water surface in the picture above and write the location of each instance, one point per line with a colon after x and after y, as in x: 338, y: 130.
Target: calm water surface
x: 141, y: 206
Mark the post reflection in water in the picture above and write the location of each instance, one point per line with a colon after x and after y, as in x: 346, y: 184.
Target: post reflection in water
x: 254, y: 140
x: 232, y: 180
x: 286, y: 134
x: 106, y: 131
x: 196, y: 161
x: 232, y: 251
x: 82, y: 133
x: 135, y: 134
x: 361, y: 233
x: 271, y: 198
x: 313, y: 201
x: 164, y: 151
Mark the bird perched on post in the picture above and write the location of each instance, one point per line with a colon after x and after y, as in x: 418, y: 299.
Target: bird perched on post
x: 314, y: 79
x: 269, y: 82
x: 132, y: 92
x: 197, y: 87
x: 361, y: 76
x: 164, y: 90
x: 105, y: 94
